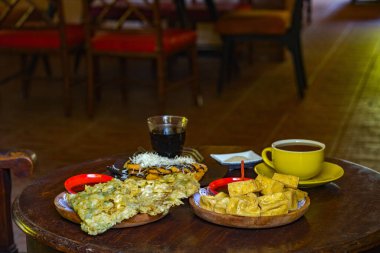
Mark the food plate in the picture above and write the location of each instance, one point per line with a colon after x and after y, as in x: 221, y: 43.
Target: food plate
x: 234, y: 159
x: 76, y: 183
x: 330, y: 172
x: 248, y: 222
x: 68, y: 213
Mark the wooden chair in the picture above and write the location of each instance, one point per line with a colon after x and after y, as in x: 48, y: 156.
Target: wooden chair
x: 136, y: 33
x: 20, y: 163
x: 34, y: 29
x: 283, y: 26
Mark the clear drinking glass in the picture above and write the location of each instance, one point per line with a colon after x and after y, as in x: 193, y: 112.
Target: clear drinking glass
x: 167, y: 134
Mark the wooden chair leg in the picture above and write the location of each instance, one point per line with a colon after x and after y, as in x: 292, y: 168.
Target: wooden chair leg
x: 90, y: 84
x: 309, y: 11
x: 27, y: 70
x: 196, y: 90
x: 45, y: 60
x: 223, y: 71
x: 66, y: 82
x: 78, y: 59
x: 97, y: 84
x: 161, y: 82
x: 296, y: 51
x: 123, y: 73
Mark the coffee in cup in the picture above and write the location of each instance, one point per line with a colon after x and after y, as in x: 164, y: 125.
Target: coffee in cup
x: 297, y: 157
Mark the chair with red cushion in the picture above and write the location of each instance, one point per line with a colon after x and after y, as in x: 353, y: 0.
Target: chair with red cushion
x: 136, y: 32
x: 19, y: 163
x: 37, y: 28
x: 283, y: 26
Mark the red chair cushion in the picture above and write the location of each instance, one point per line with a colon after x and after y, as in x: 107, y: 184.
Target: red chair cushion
x: 34, y: 39
x: 173, y: 40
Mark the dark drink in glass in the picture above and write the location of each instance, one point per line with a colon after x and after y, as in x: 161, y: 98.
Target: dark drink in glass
x: 167, y: 134
x: 168, y: 141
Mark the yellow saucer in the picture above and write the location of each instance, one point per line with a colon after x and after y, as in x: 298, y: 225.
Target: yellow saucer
x: 330, y: 172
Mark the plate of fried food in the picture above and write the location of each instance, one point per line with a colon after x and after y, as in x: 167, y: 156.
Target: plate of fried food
x: 257, y: 203
x: 145, y: 189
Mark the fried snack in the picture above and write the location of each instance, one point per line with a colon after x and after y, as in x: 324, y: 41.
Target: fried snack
x: 292, y: 199
x: 243, y: 187
x: 221, y: 205
x: 207, y: 202
x: 247, y: 205
x: 268, y: 202
x: 269, y: 186
x: 300, y: 195
x: 103, y: 205
x: 262, y: 196
x: 288, y: 180
x: 282, y: 209
x: 151, y: 166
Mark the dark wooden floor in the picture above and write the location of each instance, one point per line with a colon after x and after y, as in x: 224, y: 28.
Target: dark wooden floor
x: 341, y: 108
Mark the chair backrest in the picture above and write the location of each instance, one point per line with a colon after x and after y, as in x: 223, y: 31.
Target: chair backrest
x: 30, y: 14
x: 21, y: 164
x: 124, y: 16
x: 24, y: 15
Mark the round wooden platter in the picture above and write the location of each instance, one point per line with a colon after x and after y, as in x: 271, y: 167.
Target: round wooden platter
x: 68, y: 213
x: 249, y: 222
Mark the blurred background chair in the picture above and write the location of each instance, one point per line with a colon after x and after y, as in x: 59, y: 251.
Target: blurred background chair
x: 136, y: 30
x: 283, y: 26
x: 20, y: 163
x: 35, y: 29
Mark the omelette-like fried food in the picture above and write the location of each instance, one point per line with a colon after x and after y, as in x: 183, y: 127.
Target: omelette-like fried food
x: 151, y: 166
x: 243, y: 187
x: 103, y: 205
x: 288, y: 180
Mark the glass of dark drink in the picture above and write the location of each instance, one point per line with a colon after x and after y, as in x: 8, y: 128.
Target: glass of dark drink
x: 167, y: 134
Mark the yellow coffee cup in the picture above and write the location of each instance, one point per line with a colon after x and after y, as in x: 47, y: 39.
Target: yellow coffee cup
x: 297, y: 157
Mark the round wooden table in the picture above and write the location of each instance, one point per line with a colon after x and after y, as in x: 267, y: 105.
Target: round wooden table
x: 344, y: 216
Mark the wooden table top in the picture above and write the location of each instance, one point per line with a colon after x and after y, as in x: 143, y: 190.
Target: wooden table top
x: 343, y: 216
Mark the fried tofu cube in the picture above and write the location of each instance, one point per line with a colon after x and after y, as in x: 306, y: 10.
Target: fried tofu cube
x: 301, y: 195
x: 292, y: 199
x: 243, y: 187
x: 288, y: 180
x: 282, y: 209
x: 221, y: 205
x: 207, y: 202
x: 269, y: 186
x: 243, y: 206
x: 221, y: 195
x: 272, y: 201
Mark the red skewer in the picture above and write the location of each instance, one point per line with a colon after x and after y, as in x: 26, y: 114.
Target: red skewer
x: 242, y: 169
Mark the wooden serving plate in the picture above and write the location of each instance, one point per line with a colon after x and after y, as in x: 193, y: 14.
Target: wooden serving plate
x: 68, y: 213
x: 249, y: 222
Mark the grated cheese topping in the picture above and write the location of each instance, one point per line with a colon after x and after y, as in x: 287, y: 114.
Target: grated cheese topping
x: 147, y: 159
